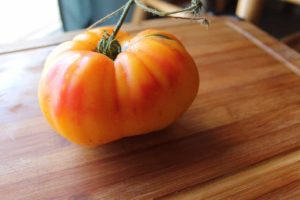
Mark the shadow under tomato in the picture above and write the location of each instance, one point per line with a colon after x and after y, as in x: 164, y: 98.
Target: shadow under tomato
x: 156, y: 158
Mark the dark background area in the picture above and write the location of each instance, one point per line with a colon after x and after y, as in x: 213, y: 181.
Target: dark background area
x: 278, y: 18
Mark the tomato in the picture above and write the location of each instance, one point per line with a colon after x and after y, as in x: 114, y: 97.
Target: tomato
x: 91, y: 99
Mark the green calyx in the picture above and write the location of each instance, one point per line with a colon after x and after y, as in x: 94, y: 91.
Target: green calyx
x: 109, y: 46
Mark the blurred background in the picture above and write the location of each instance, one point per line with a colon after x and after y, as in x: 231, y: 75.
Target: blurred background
x: 23, y: 20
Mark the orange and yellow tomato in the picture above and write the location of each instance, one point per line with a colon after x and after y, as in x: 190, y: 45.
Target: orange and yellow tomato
x: 91, y: 99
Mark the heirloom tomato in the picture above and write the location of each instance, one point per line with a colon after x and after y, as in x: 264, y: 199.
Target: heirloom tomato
x: 91, y: 99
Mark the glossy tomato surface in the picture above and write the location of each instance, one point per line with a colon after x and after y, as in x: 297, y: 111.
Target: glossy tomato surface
x: 90, y: 99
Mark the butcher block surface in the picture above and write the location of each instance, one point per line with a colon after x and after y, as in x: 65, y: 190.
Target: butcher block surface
x: 240, y: 139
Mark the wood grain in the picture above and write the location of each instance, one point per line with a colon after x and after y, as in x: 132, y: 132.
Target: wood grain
x: 240, y: 139
x: 280, y: 171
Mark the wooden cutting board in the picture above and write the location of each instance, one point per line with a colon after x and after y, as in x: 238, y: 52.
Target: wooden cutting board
x: 240, y: 139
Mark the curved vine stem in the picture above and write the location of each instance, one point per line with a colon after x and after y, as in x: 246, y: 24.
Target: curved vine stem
x: 202, y: 20
x: 192, y: 8
x: 110, y: 47
x: 122, y: 18
x: 106, y: 17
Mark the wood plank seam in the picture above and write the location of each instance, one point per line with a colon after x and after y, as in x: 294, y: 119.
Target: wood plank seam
x: 270, y: 51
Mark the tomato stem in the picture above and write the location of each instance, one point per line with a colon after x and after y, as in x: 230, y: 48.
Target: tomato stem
x: 110, y: 47
x: 122, y: 19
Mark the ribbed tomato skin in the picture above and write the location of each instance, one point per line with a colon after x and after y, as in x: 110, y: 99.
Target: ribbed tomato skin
x: 90, y: 99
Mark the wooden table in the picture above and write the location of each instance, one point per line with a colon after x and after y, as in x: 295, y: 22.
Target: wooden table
x: 239, y: 140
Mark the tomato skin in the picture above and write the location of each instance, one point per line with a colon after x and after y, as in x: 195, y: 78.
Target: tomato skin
x: 90, y: 99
